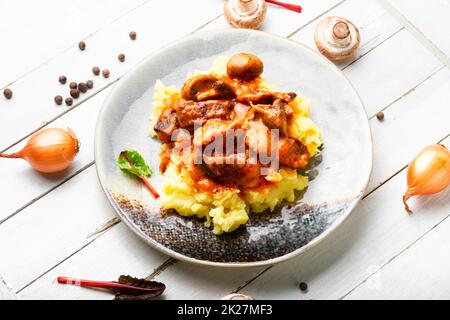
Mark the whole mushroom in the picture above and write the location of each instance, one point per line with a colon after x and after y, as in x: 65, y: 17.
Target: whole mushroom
x: 245, y: 66
x: 337, y: 38
x: 247, y: 14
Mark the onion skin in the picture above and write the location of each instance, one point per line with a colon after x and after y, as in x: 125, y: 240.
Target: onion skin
x: 428, y: 173
x: 49, y: 150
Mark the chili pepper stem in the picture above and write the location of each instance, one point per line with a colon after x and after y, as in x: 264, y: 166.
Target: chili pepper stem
x: 99, y: 284
x: 289, y: 6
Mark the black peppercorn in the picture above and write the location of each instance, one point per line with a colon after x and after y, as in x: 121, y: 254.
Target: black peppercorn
x: 69, y: 101
x: 74, y: 93
x: 58, y: 100
x: 96, y: 70
x: 62, y: 79
x: 105, y: 73
x: 8, y: 93
x: 82, y: 87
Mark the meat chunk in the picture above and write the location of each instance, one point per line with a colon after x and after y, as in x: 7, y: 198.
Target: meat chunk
x: 166, y: 125
x: 234, y: 170
x: 190, y: 111
x: 266, y: 97
x: 209, y: 131
x: 275, y: 116
x: 292, y: 153
x: 258, y: 137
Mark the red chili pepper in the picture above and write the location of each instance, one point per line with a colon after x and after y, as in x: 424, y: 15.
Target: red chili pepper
x: 289, y: 6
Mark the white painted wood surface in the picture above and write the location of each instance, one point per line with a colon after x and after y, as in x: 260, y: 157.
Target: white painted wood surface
x: 63, y: 225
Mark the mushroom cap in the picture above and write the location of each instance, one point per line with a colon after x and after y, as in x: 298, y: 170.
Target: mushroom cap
x: 247, y: 14
x: 206, y: 87
x: 245, y: 66
x: 337, y: 38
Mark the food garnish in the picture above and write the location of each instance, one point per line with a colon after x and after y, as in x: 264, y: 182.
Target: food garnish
x: 428, y: 173
x: 132, y: 162
x: 126, y: 288
x: 49, y: 150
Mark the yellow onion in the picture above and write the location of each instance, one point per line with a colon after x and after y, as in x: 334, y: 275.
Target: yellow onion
x: 428, y: 173
x: 49, y: 150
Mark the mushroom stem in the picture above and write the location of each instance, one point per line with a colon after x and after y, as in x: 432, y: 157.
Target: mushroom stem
x: 341, y: 30
x: 247, y: 5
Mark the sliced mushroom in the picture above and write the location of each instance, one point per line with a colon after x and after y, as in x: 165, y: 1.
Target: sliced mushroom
x: 266, y: 97
x: 247, y: 14
x: 244, y: 66
x: 206, y: 87
x: 337, y: 38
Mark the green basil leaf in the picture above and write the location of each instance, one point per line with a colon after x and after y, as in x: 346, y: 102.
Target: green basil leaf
x: 132, y: 162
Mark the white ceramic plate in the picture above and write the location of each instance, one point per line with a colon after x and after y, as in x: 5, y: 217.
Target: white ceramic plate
x: 339, y: 174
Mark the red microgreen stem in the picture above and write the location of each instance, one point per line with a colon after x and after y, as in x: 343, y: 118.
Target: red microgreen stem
x: 289, y: 6
x: 144, y: 179
x: 110, y: 285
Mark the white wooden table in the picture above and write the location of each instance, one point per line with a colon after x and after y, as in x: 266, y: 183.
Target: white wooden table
x: 63, y: 224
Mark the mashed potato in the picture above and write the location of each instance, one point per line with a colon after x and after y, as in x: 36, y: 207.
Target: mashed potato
x: 227, y: 210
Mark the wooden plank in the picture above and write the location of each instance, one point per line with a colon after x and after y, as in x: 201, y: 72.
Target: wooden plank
x: 375, y: 25
x: 284, y: 22
x: 52, y: 229
x: 430, y: 18
x: 33, y: 95
x: 21, y: 185
x: 118, y: 252
x: 86, y: 186
x: 370, y: 220
x: 417, y: 119
x: 377, y: 231
x: 420, y: 272
x: 403, y: 130
x: 390, y: 70
x: 30, y: 39
x: 24, y: 185
x: 189, y: 281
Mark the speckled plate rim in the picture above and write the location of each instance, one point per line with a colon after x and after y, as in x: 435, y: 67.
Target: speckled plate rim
x: 124, y: 217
